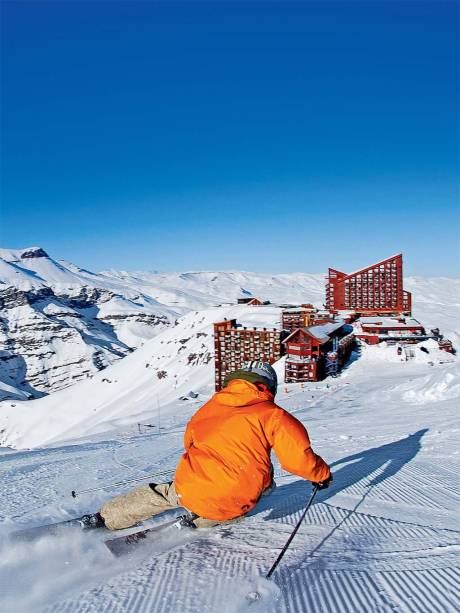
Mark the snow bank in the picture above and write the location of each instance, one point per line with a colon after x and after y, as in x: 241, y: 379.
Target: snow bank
x: 440, y: 385
x: 389, y: 353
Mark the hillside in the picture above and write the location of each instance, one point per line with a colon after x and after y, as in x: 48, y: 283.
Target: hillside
x: 60, y: 324
x: 63, y: 326
x: 197, y: 290
x: 166, y: 368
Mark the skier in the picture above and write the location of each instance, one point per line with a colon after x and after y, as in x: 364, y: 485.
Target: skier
x: 226, y: 466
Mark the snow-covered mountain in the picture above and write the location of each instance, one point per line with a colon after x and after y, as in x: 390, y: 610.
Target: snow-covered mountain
x: 436, y: 300
x: 60, y: 324
x: 197, y: 290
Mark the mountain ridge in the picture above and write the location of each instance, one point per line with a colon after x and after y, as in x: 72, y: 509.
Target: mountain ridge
x: 60, y: 324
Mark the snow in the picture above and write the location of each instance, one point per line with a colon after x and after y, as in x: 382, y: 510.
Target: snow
x: 197, y: 290
x: 133, y: 388
x: 390, y: 322
x: 322, y: 331
x: 382, y: 353
x: 436, y: 304
x: 10, y: 274
x: 384, y: 538
x: 42, y: 267
x: 61, y: 323
x: 164, y: 369
x: 58, y: 309
x: 102, y: 317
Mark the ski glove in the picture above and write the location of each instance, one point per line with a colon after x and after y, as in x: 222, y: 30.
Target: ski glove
x: 322, y: 485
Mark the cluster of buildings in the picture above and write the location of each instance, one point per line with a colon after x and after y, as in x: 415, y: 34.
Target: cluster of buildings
x: 369, y: 304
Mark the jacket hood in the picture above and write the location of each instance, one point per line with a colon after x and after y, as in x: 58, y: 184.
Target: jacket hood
x: 240, y: 393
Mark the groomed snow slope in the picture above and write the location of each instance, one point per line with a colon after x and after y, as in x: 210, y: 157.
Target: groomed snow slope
x: 385, y: 538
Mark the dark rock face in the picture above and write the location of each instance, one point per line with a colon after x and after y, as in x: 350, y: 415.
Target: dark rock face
x: 86, y: 297
x: 11, y: 297
x: 34, y: 253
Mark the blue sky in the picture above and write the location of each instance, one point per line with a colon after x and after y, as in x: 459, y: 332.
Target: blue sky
x: 267, y: 136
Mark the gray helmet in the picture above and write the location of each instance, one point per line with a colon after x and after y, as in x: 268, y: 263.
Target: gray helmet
x: 255, y: 372
x: 264, y: 370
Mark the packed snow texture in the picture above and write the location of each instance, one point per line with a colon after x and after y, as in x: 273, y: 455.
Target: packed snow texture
x: 384, y: 538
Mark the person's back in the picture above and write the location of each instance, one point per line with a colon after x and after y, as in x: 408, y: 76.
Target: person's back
x: 226, y: 466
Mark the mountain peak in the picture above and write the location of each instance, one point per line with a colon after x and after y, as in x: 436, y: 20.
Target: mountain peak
x: 28, y: 253
x: 34, y: 252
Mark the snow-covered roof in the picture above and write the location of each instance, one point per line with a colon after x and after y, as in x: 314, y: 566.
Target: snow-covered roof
x: 321, y: 332
x: 297, y: 309
x: 389, y: 322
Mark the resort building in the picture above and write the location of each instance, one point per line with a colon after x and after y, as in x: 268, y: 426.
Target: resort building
x: 314, y: 352
x: 374, y: 290
x: 235, y: 344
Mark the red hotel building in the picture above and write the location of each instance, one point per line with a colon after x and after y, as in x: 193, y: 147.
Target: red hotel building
x: 235, y: 344
x: 314, y: 352
x: 374, y: 290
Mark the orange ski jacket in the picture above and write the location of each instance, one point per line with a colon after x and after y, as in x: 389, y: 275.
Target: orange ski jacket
x: 226, y: 465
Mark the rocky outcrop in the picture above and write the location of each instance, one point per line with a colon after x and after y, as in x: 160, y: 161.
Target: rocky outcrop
x: 34, y: 252
x: 58, y: 326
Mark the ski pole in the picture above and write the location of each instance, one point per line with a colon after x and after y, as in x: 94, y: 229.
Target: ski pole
x: 293, y: 533
x: 120, y: 483
x: 254, y: 596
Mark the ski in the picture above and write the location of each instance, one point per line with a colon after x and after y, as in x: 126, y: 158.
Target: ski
x: 126, y: 543
x: 54, y: 529
x: 122, y: 545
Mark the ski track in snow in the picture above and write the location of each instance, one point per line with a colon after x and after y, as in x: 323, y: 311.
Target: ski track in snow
x: 386, y: 537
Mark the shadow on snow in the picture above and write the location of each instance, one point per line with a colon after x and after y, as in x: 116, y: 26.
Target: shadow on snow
x: 373, y: 465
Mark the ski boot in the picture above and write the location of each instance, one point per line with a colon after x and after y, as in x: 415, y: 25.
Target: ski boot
x: 93, y: 520
x: 185, y: 521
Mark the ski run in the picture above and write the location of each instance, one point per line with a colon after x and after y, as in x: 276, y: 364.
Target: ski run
x: 385, y: 537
